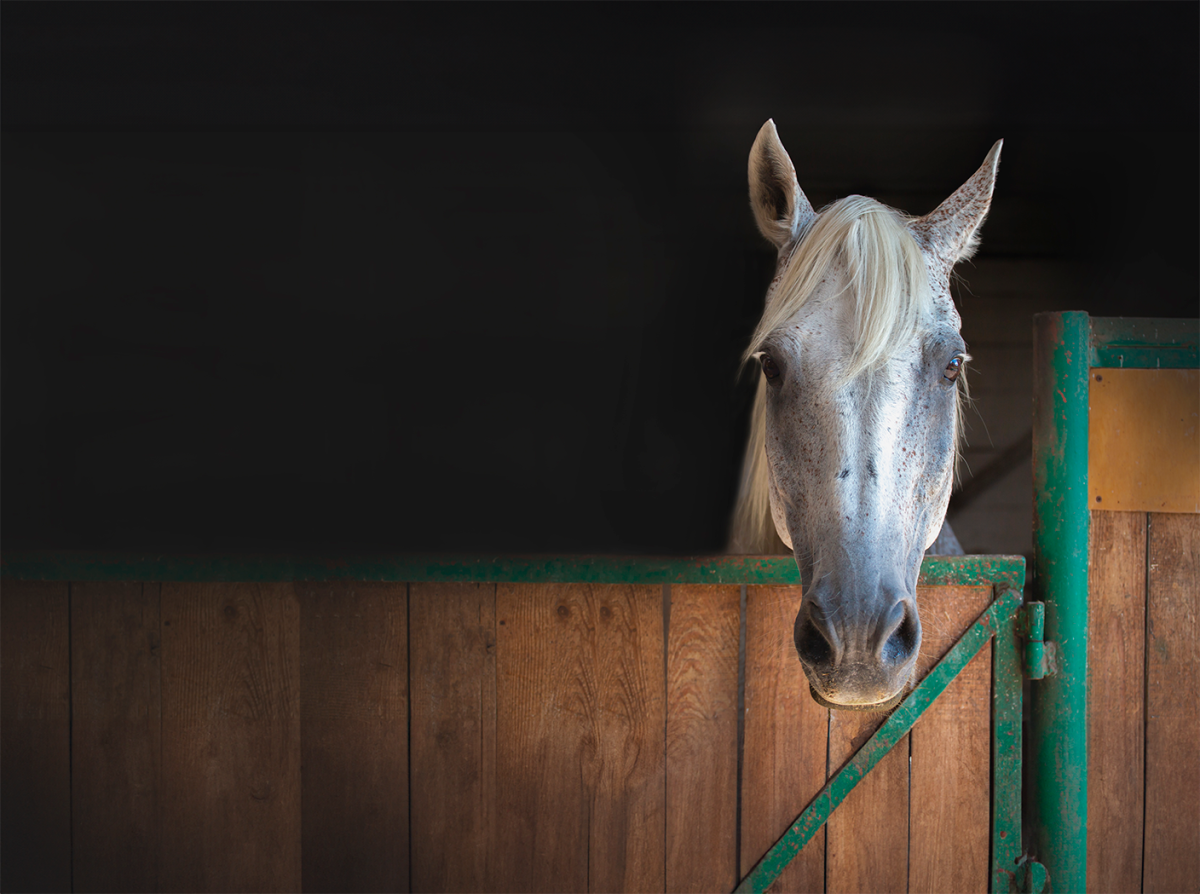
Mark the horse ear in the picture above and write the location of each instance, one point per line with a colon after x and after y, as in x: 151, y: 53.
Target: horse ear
x: 780, y: 207
x: 952, y: 229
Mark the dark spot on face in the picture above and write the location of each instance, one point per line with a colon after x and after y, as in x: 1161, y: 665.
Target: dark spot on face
x: 845, y: 473
x: 871, y: 468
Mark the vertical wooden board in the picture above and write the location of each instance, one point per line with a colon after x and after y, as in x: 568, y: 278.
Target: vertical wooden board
x: 1172, y: 854
x: 231, y: 737
x: 116, y: 736
x: 628, y: 822
x: 867, y: 835
x: 950, y: 790
x: 785, y: 740
x: 35, y: 771
x: 545, y: 707
x: 453, y: 682
x: 580, y: 724
x: 702, y: 740
x: 354, y: 736
x: 1116, y: 696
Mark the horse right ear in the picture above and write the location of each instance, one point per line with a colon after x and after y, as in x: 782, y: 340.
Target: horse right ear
x: 781, y: 209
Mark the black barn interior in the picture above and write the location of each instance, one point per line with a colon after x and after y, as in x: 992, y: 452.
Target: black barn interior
x: 457, y: 277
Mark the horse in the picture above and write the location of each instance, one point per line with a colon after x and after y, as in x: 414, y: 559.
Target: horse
x: 857, y: 416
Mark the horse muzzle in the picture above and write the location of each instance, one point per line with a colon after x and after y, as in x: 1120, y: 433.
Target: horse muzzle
x: 858, y: 659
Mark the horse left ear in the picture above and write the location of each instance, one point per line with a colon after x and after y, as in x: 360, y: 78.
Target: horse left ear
x: 952, y: 229
x: 781, y: 208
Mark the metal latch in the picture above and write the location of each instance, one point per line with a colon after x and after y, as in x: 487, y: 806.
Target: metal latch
x: 1031, y: 876
x: 1039, y: 655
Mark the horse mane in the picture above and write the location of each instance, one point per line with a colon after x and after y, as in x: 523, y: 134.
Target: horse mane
x: 889, y: 285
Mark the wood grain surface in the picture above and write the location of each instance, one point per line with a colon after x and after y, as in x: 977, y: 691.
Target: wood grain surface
x: 950, y: 796
x: 35, y: 761
x: 116, y: 732
x: 580, y: 720
x: 1116, y: 696
x: 453, y: 670
x: 786, y: 740
x: 867, y: 836
x: 1172, y: 856
x: 231, y: 737
x: 354, y: 735
x: 702, y: 738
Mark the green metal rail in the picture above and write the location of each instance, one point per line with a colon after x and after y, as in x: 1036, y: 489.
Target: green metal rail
x: 772, y: 570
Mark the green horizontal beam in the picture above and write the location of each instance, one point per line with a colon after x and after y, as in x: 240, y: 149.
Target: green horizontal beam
x: 1145, y: 343
x: 763, y: 570
x: 886, y: 737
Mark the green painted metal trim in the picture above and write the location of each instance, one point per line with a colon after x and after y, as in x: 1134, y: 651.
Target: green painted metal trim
x: 772, y: 570
x: 1145, y: 343
x: 1007, y: 847
x: 997, y: 617
x: 1061, y: 519
x: 1031, y: 627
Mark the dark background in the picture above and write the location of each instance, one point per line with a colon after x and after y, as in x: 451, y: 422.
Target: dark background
x: 461, y: 277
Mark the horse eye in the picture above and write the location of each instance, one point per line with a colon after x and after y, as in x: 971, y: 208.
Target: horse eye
x: 770, y: 370
x: 953, y: 368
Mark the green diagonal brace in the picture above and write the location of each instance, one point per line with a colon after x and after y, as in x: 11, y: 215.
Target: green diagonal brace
x: 1000, y: 612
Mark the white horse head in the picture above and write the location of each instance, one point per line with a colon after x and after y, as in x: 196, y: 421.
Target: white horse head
x: 856, y: 420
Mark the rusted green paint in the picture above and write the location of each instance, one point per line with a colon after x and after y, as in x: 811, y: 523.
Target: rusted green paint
x: 1058, y: 704
x: 999, y: 616
x: 1007, y: 846
x: 1145, y: 343
x: 772, y: 570
x: 1031, y: 627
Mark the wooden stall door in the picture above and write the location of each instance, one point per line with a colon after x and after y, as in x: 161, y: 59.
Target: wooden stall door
x: 565, y: 737
x: 1144, y: 632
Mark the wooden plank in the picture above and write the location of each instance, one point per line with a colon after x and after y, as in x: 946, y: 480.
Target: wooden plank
x: 231, y: 737
x: 1172, y: 854
x: 116, y: 732
x: 785, y: 739
x: 702, y: 738
x: 354, y: 735
x: 1116, y: 695
x: 867, y: 836
x: 951, y: 753
x: 452, y: 636
x: 580, y: 723
x: 35, y: 770
x: 1144, y: 440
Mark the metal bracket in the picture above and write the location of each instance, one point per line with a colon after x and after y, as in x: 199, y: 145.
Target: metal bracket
x: 1039, y: 656
x: 1030, y: 878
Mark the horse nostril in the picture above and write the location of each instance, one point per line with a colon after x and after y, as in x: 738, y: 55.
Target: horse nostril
x: 905, y: 639
x: 815, y: 640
